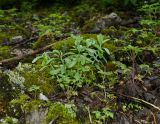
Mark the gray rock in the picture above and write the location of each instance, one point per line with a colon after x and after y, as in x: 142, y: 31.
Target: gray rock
x: 147, y: 84
x: 149, y: 97
x: 106, y: 21
x: 36, y: 116
x: 17, y: 38
x: 43, y: 97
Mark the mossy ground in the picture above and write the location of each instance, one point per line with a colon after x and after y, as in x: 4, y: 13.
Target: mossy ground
x: 86, y: 104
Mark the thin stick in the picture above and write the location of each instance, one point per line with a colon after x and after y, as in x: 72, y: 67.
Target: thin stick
x: 90, y: 118
x: 141, y: 100
x: 18, y: 58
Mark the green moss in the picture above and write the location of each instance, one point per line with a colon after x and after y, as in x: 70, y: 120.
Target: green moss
x: 60, y: 114
x: 114, y: 32
x: 4, y: 52
x: 88, y: 26
x: 5, y: 20
x: 38, y: 78
x: 110, y: 47
x: 69, y: 42
x: 20, y: 30
x: 86, y: 36
x: 7, y: 93
x: 64, y: 44
x: 33, y: 105
x: 44, y: 39
x: 4, y: 36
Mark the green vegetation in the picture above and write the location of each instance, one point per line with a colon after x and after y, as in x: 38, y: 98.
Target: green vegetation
x: 79, y: 62
x: 71, y: 68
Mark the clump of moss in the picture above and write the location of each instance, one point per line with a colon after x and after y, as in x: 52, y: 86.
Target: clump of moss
x: 4, y: 52
x: 89, y: 25
x: 88, y: 36
x: 60, y: 114
x: 69, y: 42
x: 113, y: 32
x: 44, y: 39
x: 34, y: 77
x: 64, y: 44
x: 4, y: 36
x: 33, y: 105
x: 7, y: 93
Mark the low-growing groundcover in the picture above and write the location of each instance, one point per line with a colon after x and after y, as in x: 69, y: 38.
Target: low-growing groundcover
x: 108, y: 77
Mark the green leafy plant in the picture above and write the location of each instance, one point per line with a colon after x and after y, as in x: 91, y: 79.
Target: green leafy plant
x: 9, y: 120
x: 35, y: 89
x: 103, y: 115
x: 132, y: 52
x: 132, y: 106
x: 152, y: 12
x: 79, y: 65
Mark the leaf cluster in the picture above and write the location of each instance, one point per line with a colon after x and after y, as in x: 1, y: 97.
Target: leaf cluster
x: 79, y: 65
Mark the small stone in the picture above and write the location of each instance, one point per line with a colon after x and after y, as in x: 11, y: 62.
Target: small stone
x: 106, y: 21
x: 43, y: 97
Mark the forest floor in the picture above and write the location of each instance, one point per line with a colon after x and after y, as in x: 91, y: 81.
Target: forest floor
x: 127, y: 92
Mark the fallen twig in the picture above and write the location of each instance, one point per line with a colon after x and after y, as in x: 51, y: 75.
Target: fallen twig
x: 141, y: 100
x: 18, y: 58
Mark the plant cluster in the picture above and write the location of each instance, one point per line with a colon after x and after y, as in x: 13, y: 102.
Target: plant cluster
x: 152, y: 13
x: 78, y: 66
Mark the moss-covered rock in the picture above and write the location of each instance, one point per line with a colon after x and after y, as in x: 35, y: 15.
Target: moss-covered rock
x: 33, y: 77
x: 7, y: 93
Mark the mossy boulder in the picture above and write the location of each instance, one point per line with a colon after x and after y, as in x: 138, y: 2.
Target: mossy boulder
x: 7, y: 93
x: 34, y: 77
